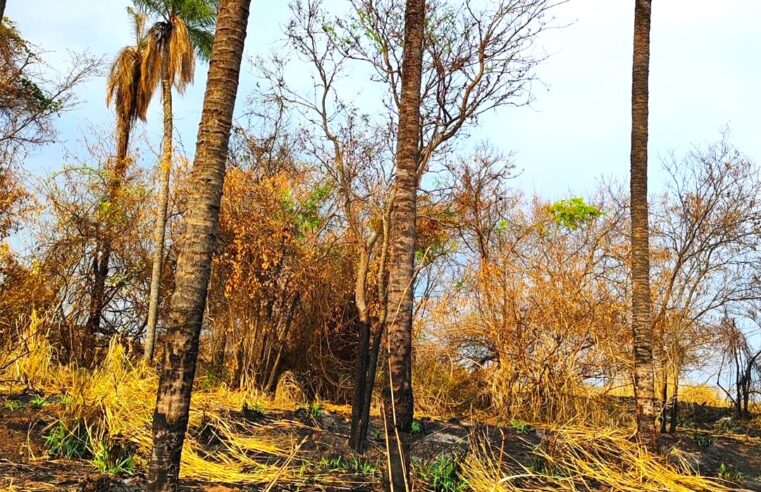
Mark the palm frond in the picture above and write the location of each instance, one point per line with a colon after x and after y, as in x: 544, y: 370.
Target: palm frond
x: 151, y: 60
x: 181, y: 55
x: 202, y: 40
x: 122, y: 85
x: 138, y: 18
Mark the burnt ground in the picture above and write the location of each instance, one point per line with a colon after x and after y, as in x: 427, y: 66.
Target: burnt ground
x: 713, y: 443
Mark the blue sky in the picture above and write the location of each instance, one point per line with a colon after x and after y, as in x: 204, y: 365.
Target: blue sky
x: 705, y: 75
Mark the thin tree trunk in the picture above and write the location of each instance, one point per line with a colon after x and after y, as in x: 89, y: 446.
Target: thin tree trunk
x: 397, y: 395
x: 116, y: 174
x: 363, y: 346
x: 664, y: 402
x: 372, y: 367
x: 642, y: 323
x: 165, y: 166
x: 170, y: 417
x: 674, y: 404
x: 2, y: 10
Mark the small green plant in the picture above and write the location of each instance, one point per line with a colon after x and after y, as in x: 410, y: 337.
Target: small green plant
x: 703, y: 441
x: 353, y: 464
x: 729, y: 473
x: 312, y: 409
x: 13, y: 405
x: 416, y: 427
x: 377, y: 434
x: 442, y: 474
x: 106, y: 460
x: 536, y: 464
x: 39, y: 402
x: 520, y: 427
x: 726, y: 425
x: 66, y: 400
x: 63, y: 442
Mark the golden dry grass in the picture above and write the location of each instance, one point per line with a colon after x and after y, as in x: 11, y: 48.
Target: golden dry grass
x: 115, y: 403
x: 583, y: 459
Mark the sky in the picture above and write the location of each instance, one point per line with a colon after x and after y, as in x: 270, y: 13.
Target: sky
x: 705, y: 76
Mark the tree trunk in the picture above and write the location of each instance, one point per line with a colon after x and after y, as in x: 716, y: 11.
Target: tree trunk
x: 165, y: 166
x: 642, y: 326
x: 2, y: 10
x: 397, y: 395
x: 116, y: 173
x: 363, y: 346
x: 674, y: 404
x: 170, y: 417
x: 372, y: 367
x: 360, y: 384
x: 664, y: 403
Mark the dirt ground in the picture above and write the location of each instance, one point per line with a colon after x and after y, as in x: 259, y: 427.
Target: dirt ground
x: 714, y: 444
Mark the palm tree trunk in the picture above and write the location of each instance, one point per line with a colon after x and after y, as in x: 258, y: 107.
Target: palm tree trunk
x: 397, y: 395
x: 165, y: 165
x: 170, y: 417
x: 642, y: 326
x: 116, y: 174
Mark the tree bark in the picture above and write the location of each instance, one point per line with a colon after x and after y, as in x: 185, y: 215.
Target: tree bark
x: 642, y: 325
x: 2, y: 10
x: 397, y: 395
x: 170, y: 417
x: 165, y: 166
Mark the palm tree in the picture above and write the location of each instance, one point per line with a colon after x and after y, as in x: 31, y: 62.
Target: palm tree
x: 123, y: 90
x: 170, y: 417
x: 642, y: 326
x: 185, y: 26
x: 397, y: 395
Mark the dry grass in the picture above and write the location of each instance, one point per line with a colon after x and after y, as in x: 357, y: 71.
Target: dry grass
x: 115, y: 403
x: 582, y: 459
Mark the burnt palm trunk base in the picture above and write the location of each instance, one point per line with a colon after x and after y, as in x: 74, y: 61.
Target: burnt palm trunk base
x: 398, y: 425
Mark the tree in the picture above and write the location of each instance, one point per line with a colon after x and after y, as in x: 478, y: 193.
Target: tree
x: 642, y: 322
x: 124, y: 89
x: 476, y: 57
x: 194, y: 260
x: 398, y: 400
x: 184, y: 26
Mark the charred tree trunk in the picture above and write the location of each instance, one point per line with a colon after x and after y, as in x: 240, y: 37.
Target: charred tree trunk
x: 675, y: 404
x: 360, y: 386
x: 170, y: 418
